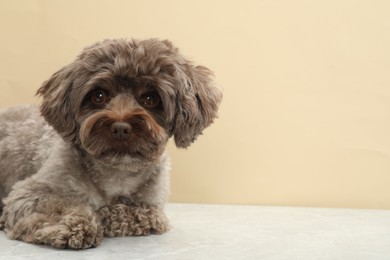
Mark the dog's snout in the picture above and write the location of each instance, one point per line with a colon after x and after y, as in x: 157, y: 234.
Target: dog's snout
x: 121, y: 130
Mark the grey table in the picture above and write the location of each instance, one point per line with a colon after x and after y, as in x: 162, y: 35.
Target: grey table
x: 240, y: 232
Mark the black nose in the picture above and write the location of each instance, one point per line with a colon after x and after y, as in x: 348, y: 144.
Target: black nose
x: 121, y: 130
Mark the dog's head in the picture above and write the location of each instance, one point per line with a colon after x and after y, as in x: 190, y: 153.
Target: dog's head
x: 128, y: 97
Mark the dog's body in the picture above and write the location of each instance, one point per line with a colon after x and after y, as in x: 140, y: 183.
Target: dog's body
x: 94, y: 164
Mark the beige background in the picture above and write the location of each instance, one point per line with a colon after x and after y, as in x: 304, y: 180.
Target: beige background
x: 305, y: 119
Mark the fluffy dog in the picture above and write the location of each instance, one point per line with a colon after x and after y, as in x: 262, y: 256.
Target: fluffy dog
x: 91, y: 162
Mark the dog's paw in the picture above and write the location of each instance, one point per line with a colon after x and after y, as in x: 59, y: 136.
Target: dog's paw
x: 148, y: 221
x: 140, y: 220
x: 73, y: 232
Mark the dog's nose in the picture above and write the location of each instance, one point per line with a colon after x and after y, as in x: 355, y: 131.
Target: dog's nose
x: 121, y: 130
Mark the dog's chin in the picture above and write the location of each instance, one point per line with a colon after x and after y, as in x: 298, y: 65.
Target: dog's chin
x: 131, y: 159
x: 114, y: 159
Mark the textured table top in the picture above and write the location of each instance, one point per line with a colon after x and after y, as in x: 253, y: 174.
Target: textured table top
x: 240, y: 232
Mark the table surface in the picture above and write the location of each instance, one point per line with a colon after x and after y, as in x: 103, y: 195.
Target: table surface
x: 240, y: 232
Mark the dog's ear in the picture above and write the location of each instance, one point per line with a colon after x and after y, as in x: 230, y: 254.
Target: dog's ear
x: 56, y: 105
x: 197, y: 104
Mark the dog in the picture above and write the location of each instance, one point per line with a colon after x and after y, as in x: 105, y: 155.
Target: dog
x: 91, y: 162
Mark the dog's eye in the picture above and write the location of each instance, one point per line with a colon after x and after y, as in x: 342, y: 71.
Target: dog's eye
x: 150, y: 100
x: 99, y: 97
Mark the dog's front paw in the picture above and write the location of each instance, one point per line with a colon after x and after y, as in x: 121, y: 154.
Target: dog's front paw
x: 72, y: 232
x: 149, y: 220
x: 140, y: 220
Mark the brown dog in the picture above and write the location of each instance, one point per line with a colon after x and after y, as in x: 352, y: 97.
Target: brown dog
x: 95, y: 164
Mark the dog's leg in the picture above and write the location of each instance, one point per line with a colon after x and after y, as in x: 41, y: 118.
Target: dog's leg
x: 44, y: 218
x: 132, y: 220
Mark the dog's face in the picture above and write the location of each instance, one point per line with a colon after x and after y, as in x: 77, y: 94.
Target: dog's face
x: 126, y: 98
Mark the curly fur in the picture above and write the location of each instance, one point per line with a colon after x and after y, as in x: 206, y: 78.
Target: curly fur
x: 66, y: 179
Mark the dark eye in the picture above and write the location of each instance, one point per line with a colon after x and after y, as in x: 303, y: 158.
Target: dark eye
x: 99, y: 98
x: 150, y: 100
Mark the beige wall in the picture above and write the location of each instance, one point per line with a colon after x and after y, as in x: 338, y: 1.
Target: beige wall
x: 305, y: 119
